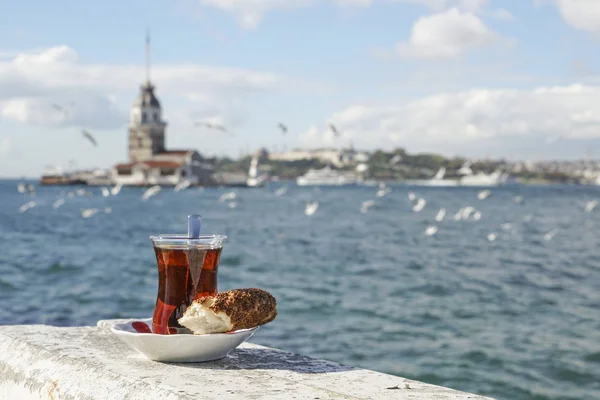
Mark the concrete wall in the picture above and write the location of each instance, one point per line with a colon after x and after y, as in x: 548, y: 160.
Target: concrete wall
x: 44, y: 362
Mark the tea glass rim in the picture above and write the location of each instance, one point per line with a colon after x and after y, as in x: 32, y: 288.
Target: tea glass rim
x: 212, y: 241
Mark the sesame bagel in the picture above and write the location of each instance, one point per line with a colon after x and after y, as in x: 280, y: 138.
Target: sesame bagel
x: 230, y: 311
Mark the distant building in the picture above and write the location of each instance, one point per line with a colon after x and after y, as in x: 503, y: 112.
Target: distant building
x: 150, y: 163
x: 146, y: 127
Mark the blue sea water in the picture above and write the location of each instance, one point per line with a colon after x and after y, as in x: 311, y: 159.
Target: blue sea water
x: 513, y: 318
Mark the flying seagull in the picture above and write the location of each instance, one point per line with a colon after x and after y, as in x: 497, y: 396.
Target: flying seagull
x: 213, y: 126
x: 89, y: 137
x: 334, y: 130
x: 283, y: 128
x: 63, y: 110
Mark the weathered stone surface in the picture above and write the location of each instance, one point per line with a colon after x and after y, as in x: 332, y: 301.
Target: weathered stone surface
x: 38, y: 361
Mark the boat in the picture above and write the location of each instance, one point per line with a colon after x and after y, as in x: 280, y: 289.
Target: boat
x: 254, y: 179
x: 326, y: 177
x: 437, y: 180
x: 496, y: 178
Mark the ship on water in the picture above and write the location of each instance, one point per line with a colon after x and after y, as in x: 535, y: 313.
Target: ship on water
x: 480, y: 179
x: 438, y: 180
x: 326, y: 177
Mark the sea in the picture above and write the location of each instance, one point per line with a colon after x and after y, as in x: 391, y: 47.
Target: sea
x: 502, y: 300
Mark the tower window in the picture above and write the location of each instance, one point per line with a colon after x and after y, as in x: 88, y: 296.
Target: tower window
x: 144, y: 117
x: 139, y: 142
x: 156, y: 116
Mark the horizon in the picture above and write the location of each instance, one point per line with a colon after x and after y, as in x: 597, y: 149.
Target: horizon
x: 472, y: 159
x: 460, y: 78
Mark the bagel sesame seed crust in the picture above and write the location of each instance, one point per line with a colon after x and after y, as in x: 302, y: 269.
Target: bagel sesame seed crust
x: 246, y: 308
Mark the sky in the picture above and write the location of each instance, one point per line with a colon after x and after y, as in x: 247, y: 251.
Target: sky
x: 518, y: 79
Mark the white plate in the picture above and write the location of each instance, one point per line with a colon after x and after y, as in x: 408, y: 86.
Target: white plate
x: 180, y: 347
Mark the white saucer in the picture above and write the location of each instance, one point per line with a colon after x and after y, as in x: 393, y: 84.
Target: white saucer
x: 181, y: 347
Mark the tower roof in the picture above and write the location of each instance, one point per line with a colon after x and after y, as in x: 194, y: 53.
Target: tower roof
x: 146, y: 97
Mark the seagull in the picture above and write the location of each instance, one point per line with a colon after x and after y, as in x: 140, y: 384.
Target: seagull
x: 458, y: 215
x: 22, y: 188
x: 108, y: 210
x: 105, y: 192
x: 491, y: 237
x: 89, y: 137
x: 182, y: 185
x: 431, y: 230
x: 383, y: 190
x: 412, y: 196
x: 466, y: 169
x: 484, y: 194
x: 550, y: 234
x: 281, y: 191
x: 29, y: 188
x: 283, y: 128
x: 151, y: 192
x: 336, y: 133
x: 228, y: 196
x: 27, y: 206
x: 419, y: 205
x: 364, y: 207
x: 311, y: 208
x: 58, y: 203
x: 507, y: 226
x: 213, y: 126
x: 395, y: 160
x: 115, y: 191
x: 88, y: 212
x: 476, y: 215
x: 63, y: 110
x: 440, y: 215
x: 589, y: 207
x: 465, y: 212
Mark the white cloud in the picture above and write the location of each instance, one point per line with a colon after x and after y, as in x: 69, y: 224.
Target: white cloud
x: 451, y: 121
x: 31, y: 83
x: 435, y: 5
x: 53, y: 55
x: 502, y: 14
x: 353, y: 3
x: 581, y: 14
x: 446, y: 35
x: 473, y: 6
x: 251, y: 12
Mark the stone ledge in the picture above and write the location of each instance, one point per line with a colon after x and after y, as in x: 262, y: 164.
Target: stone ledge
x: 45, y: 362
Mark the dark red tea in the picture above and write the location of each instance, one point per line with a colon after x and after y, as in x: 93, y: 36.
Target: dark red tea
x: 183, y: 276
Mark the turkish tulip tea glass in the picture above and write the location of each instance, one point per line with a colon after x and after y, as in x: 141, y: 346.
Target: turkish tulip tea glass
x: 187, y: 270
